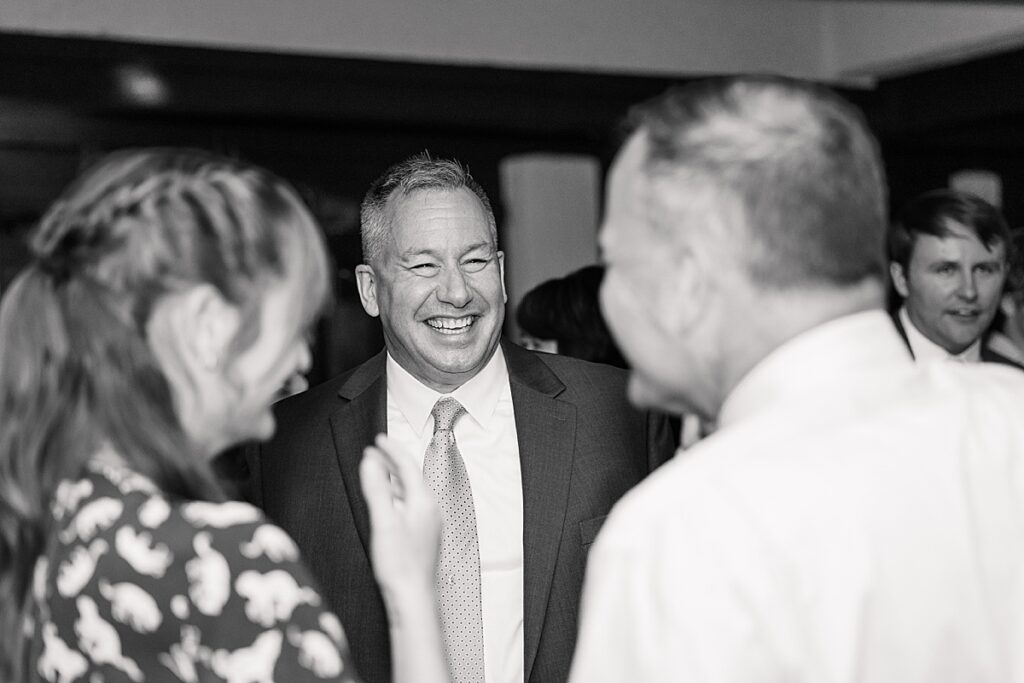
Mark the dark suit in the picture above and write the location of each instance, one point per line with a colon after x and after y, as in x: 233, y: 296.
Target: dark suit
x: 987, y: 354
x: 581, y: 446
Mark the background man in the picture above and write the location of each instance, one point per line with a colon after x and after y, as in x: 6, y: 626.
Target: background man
x: 855, y: 516
x: 948, y: 263
x: 548, y: 443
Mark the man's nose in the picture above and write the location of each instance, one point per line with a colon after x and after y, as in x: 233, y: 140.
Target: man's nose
x: 453, y: 288
x: 968, y: 287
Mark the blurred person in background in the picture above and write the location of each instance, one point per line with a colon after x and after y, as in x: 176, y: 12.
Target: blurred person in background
x: 948, y: 262
x: 169, y: 299
x: 562, y: 315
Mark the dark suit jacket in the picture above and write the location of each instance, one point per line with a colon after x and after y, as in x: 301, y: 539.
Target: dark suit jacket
x: 581, y: 447
x: 987, y: 354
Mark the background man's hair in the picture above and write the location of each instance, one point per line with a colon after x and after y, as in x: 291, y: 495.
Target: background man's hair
x: 419, y: 172
x: 793, y: 161
x: 931, y: 213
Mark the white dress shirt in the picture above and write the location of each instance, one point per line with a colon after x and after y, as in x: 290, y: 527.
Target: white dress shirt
x: 926, y: 351
x: 486, y: 437
x: 856, y: 517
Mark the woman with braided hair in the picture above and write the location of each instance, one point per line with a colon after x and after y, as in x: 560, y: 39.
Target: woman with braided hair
x: 168, y: 302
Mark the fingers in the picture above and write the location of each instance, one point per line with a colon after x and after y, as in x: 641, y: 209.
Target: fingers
x: 376, y: 484
x: 403, y: 468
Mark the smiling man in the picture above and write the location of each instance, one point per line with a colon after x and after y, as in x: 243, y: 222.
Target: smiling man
x: 526, y: 452
x: 948, y: 264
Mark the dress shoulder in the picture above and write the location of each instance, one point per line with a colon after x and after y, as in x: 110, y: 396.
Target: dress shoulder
x: 139, y: 586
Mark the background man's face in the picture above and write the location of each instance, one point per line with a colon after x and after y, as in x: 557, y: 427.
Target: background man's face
x: 439, y: 287
x: 951, y: 286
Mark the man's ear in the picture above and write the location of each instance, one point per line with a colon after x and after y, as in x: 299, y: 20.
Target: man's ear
x: 682, y: 295
x: 501, y: 271
x: 899, y: 279
x: 366, y: 283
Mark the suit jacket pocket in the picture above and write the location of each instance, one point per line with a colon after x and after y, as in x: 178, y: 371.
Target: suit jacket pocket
x: 589, y: 529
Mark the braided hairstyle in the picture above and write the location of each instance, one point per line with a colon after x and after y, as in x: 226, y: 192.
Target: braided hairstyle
x: 76, y: 369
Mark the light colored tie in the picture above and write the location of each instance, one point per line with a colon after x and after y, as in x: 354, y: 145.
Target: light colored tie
x: 458, y: 576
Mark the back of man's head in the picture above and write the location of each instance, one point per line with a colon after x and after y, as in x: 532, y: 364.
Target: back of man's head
x: 792, y: 163
x: 932, y: 213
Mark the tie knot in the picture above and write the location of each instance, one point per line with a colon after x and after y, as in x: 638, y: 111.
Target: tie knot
x: 446, y: 411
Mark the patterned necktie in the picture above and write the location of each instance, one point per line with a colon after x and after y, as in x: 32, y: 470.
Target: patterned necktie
x: 458, y: 576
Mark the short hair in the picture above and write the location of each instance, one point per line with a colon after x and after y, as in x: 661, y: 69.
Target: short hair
x: 930, y: 214
x: 567, y: 310
x: 419, y: 172
x: 795, y: 160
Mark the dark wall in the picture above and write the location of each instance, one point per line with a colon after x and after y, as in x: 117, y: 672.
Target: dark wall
x: 331, y: 125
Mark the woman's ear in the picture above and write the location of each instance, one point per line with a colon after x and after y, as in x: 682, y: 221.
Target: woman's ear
x: 191, y: 332
x: 215, y: 324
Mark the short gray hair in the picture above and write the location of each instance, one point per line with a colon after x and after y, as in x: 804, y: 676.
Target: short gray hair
x: 795, y: 160
x: 419, y: 172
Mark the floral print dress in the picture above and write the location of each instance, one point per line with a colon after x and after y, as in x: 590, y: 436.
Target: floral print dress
x: 137, y: 587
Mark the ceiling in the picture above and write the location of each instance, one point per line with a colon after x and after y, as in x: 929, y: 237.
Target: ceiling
x: 63, y: 100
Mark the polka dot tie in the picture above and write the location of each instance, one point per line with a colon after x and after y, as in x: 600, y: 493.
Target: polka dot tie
x: 458, y: 576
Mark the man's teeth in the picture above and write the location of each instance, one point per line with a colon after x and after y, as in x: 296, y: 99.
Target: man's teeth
x: 450, y: 324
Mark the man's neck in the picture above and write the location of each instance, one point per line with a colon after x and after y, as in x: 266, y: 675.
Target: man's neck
x: 776, y: 319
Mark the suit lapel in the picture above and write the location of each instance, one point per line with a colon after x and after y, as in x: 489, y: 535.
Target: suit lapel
x: 546, y: 431
x: 991, y: 356
x: 354, y: 426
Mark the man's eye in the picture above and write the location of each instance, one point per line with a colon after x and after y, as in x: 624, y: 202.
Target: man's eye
x: 946, y: 269
x: 987, y: 269
x: 474, y: 265
x: 423, y: 267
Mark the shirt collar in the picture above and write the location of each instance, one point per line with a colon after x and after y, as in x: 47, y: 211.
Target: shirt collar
x: 811, y: 363
x: 924, y: 349
x: 478, y: 395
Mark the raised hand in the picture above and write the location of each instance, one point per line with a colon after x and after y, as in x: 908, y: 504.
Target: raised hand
x: 405, y: 526
x: 405, y: 521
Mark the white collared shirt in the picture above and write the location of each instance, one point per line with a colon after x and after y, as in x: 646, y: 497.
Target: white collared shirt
x: 926, y: 351
x: 855, y: 518
x: 486, y: 437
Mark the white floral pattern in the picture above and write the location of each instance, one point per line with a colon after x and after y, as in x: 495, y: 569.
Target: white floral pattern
x: 140, y: 587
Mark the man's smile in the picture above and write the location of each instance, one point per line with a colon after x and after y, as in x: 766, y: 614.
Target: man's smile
x: 966, y: 314
x: 452, y: 325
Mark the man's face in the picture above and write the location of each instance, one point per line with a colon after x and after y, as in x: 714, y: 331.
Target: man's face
x: 951, y: 286
x: 635, y: 265
x: 439, y: 287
